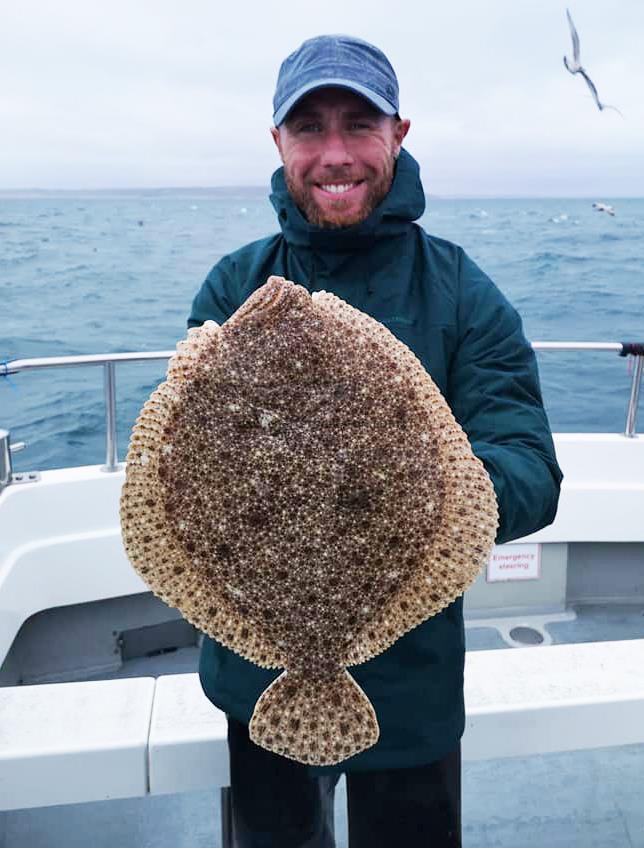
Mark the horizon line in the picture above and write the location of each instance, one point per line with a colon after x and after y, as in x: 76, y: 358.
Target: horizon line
x: 7, y: 192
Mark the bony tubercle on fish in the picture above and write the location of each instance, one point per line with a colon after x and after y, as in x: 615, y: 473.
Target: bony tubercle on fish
x: 291, y: 455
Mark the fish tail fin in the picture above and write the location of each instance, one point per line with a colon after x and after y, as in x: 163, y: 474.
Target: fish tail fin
x: 314, y: 722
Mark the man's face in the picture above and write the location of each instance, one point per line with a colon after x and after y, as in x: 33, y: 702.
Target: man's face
x: 338, y: 154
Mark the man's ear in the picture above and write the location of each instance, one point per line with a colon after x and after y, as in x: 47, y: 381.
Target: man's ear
x: 400, y: 131
x: 278, y: 140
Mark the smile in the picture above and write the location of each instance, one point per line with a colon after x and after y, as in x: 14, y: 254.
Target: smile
x: 339, y: 188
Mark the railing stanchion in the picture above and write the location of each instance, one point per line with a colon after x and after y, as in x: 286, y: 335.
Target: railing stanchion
x: 631, y: 415
x: 111, y: 448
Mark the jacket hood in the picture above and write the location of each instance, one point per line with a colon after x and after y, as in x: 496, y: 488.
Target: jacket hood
x: 404, y: 203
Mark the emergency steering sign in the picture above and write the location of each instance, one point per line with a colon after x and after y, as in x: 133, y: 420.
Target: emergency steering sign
x: 514, y: 562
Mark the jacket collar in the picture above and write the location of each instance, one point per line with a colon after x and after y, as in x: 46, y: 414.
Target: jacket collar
x: 404, y: 203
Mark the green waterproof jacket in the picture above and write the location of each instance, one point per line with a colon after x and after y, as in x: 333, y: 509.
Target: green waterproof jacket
x: 436, y: 300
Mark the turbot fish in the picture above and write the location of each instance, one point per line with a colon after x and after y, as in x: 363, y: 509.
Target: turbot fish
x: 299, y: 489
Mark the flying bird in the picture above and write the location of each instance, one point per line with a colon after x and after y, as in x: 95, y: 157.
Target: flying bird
x: 575, y: 67
x: 604, y: 207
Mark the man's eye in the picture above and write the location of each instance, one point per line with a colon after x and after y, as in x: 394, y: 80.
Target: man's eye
x: 360, y: 125
x: 309, y: 128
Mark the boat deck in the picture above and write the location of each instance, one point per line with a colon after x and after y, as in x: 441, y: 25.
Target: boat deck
x: 593, y: 799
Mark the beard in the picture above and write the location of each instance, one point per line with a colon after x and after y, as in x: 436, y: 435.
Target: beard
x: 338, y: 216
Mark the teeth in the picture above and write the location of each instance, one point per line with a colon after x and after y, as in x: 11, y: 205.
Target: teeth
x: 338, y: 189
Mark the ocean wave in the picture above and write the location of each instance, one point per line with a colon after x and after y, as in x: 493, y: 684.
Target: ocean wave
x: 72, y: 269
x: 15, y: 261
x: 553, y: 258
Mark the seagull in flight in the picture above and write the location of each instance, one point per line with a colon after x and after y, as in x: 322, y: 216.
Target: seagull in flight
x: 604, y: 207
x: 575, y: 67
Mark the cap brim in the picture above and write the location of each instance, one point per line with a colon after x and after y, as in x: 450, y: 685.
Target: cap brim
x: 375, y: 99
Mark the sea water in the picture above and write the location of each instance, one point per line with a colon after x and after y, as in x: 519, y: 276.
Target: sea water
x: 117, y: 271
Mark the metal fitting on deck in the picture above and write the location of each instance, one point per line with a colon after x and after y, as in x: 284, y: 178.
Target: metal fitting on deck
x: 6, y: 449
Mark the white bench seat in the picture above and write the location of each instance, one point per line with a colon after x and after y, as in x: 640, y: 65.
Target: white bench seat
x: 187, y: 746
x: 66, y: 743
x: 63, y: 743
x: 528, y: 701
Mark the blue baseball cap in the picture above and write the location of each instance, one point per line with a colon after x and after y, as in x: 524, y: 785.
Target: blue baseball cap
x: 336, y: 61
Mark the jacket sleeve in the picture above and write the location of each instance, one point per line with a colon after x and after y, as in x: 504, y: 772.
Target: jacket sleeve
x: 494, y: 393
x: 216, y: 300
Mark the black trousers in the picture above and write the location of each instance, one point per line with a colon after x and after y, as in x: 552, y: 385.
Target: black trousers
x: 277, y: 803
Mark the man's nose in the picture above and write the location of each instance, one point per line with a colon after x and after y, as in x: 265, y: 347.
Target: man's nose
x: 336, y: 150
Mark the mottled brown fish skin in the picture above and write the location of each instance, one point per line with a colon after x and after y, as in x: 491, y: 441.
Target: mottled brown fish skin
x: 322, y: 494
x: 309, y: 499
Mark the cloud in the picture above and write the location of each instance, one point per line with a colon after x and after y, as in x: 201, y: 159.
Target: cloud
x: 168, y: 94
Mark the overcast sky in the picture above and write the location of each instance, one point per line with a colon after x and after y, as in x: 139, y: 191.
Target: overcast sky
x: 151, y: 93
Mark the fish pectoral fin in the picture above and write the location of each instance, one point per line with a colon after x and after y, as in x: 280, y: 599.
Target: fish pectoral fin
x: 314, y: 722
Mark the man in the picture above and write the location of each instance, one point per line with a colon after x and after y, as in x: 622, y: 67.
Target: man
x: 346, y: 199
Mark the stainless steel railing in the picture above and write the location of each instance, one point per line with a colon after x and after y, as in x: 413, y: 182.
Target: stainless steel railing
x: 110, y: 360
